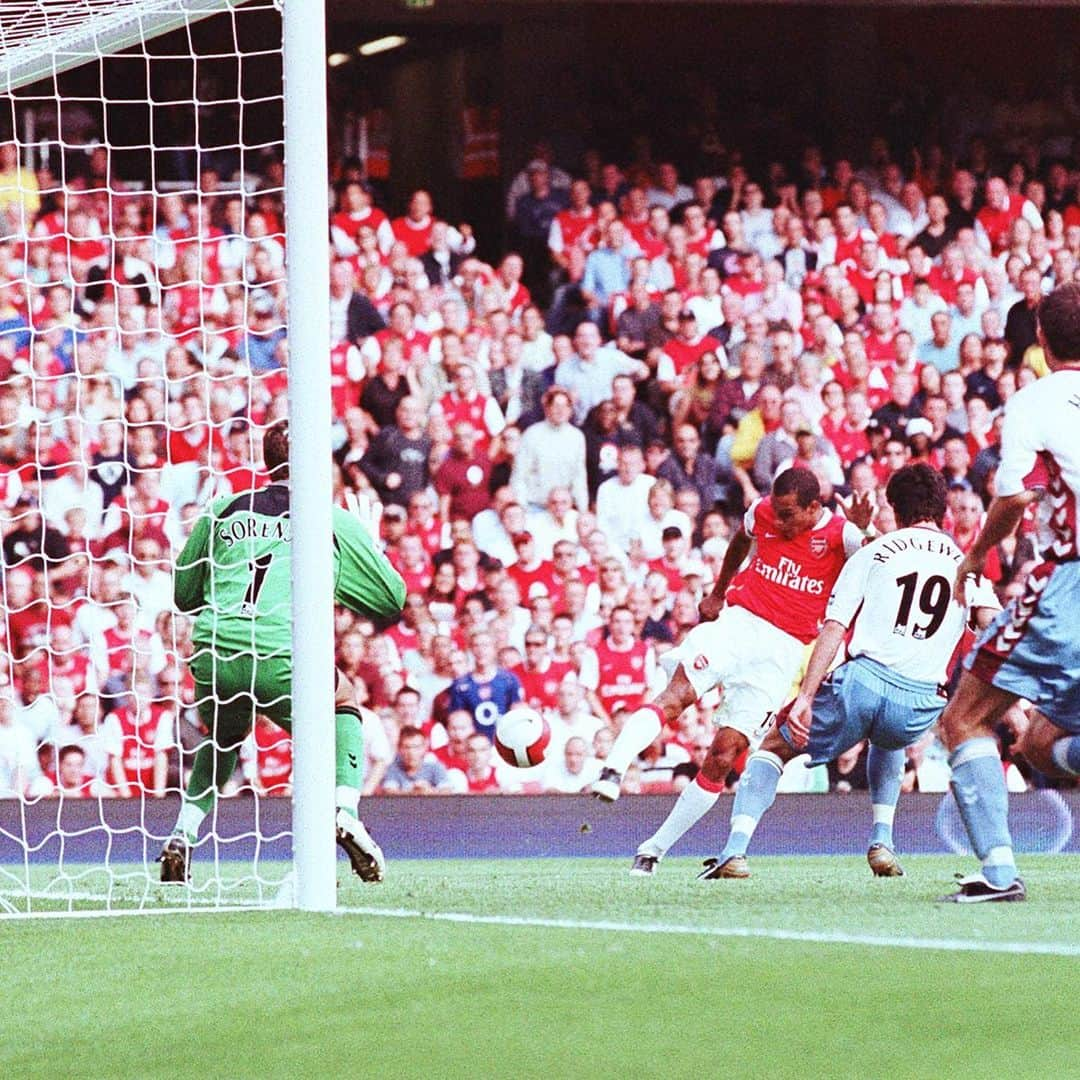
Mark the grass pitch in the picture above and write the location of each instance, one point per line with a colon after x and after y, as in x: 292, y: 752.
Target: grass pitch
x: 665, y: 979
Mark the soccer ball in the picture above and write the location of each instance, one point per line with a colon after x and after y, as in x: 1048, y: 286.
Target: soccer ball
x: 522, y: 736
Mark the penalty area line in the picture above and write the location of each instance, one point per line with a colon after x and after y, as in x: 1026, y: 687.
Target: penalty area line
x: 1023, y: 948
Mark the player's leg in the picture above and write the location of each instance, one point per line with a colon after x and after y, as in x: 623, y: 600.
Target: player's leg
x: 757, y: 689
x: 978, y: 784
x: 755, y: 794
x: 695, y: 800
x: 1031, y: 650
x: 1051, y: 749
x: 640, y: 728
x: 885, y: 777
x: 365, y: 856
x: 707, y: 654
x: 758, y: 783
x: 896, y: 713
x: 227, y: 718
x: 353, y: 837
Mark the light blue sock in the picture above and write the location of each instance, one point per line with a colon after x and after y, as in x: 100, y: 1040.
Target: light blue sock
x: 757, y: 789
x: 885, y: 771
x: 978, y: 784
x: 1066, y: 755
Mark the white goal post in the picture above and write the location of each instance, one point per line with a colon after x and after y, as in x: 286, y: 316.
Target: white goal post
x: 40, y: 41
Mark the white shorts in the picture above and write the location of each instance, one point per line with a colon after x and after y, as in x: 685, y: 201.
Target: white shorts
x: 755, y: 663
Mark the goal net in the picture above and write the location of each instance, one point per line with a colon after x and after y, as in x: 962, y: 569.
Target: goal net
x: 142, y: 355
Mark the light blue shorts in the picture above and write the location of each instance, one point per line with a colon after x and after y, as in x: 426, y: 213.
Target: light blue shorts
x: 863, y: 699
x: 1032, y: 648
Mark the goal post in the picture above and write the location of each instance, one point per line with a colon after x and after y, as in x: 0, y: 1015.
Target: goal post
x: 211, y: 292
x: 307, y: 212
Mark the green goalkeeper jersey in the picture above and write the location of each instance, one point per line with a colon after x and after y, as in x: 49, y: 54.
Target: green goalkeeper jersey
x: 235, y: 573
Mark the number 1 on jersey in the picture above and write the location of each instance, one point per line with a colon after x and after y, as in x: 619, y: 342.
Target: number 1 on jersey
x: 258, y: 569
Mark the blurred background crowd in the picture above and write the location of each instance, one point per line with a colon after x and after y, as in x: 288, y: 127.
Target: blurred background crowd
x: 553, y: 442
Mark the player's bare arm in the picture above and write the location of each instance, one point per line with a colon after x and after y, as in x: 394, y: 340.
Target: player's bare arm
x: 736, y: 554
x: 825, y: 649
x: 1001, y: 520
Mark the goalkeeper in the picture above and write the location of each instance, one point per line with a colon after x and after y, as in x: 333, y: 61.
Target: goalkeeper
x: 234, y: 572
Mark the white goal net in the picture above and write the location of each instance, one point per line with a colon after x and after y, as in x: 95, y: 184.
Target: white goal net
x: 142, y: 354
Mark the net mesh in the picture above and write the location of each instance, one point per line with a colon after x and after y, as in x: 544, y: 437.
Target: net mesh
x: 142, y: 354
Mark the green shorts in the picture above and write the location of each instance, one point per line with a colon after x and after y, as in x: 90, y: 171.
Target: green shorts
x: 231, y: 690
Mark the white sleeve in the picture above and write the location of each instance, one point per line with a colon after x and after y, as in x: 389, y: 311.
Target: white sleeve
x: 1020, y: 445
x: 589, y: 675
x: 979, y: 593
x: 385, y: 235
x: 371, y: 351
x: 457, y: 243
x: 494, y: 420
x: 158, y: 657
x: 1030, y: 213
x: 99, y: 654
x: 112, y: 736
x: 555, y: 237
x: 354, y: 364
x: 853, y: 539
x: 163, y: 736
x: 665, y: 369
x: 344, y: 245
x: 850, y: 589
x: 749, y: 521
x: 14, y: 488
x: 982, y: 295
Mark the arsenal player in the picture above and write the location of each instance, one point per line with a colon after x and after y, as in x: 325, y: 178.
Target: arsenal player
x: 751, y: 641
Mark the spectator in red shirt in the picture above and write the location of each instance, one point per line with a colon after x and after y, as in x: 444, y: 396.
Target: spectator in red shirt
x: 462, y: 480
x: 573, y: 227
x: 683, y: 350
x: 1002, y: 208
x: 540, y: 674
x: 530, y: 573
x: 480, y: 775
x: 459, y: 729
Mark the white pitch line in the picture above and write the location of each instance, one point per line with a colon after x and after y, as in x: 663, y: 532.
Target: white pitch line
x: 1034, y: 948
x: 120, y: 913
x: 1014, y: 948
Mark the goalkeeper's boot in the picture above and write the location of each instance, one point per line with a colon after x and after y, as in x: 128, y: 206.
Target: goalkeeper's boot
x: 734, y: 866
x: 975, y: 889
x: 883, y: 861
x: 364, y: 854
x: 606, y: 788
x: 175, y: 859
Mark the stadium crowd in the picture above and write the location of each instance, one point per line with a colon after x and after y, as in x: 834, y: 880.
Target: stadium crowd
x: 554, y: 446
